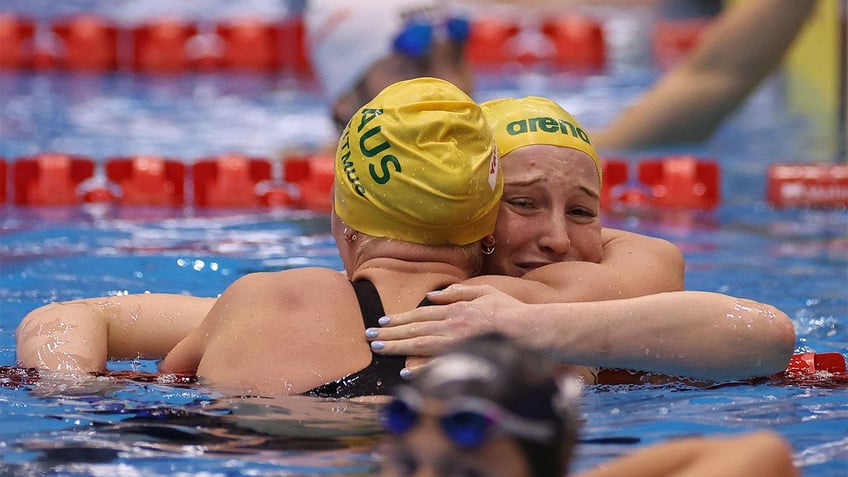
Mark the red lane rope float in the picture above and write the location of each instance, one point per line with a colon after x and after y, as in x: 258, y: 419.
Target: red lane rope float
x: 229, y: 181
x: 815, y: 369
x: 565, y: 43
x: 615, y: 172
x: 161, y: 46
x: 88, y: 43
x: 314, y: 176
x: 578, y: 41
x: 672, y: 182
x: 672, y: 40
x: 681, y: 182
x: 487, y: 41
x: 3, y: 180
x: 294, y: 56
x: 50, y: 178
x: 808, y: 185
x: 250, y: 44
x: 148, y: 180
x: 809, y: 363
x: 16, y: 41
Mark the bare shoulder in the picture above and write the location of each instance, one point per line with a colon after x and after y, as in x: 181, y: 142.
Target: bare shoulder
x: 525, y: 290
x: 630, y: 250
x: 288, y: 285
x: 618, y: 237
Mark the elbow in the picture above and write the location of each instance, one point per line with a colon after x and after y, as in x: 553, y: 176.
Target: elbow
x: 27, y: 339
x: 786, y: 336
x: 780, y: 340
x: 675, y: 266
x: 680, y: 268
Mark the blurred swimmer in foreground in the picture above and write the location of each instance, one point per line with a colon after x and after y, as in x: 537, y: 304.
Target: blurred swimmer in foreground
x: 491, y: 407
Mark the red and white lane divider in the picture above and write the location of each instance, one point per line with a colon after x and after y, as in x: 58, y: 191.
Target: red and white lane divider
x: 681, y: 182
x: 91, y: 42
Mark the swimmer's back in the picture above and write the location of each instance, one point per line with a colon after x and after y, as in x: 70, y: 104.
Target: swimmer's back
x: 277, y: 333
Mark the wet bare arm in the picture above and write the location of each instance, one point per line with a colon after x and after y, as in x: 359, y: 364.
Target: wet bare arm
x: 742, y: 47
x: 699, y: 335
x: 631, y: 265
x: 80, y: 336
x: 759, y: 453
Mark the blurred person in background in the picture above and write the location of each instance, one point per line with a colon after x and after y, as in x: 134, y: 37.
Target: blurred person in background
x: 358, y: 48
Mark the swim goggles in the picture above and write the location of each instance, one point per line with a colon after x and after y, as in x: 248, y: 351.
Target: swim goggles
x: 418, y: 34
x: 468, y: 421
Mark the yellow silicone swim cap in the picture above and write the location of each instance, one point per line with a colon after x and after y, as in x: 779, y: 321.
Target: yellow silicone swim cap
x: 418, y: 163
x: 534, y: 120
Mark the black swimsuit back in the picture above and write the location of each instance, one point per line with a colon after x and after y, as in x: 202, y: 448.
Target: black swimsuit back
x: 383, y: 373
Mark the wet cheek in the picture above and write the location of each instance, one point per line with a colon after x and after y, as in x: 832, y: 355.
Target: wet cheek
x: 591, y: 249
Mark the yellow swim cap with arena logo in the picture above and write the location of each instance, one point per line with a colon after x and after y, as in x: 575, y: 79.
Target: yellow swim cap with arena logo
x: 418, y: 163
x: 535, y: 120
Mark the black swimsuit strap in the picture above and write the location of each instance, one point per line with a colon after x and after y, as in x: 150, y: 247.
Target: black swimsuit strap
x: 370, y: 304
x: 383, y: 372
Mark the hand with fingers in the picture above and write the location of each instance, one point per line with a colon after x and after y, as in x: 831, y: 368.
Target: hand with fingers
x: 458, y: 312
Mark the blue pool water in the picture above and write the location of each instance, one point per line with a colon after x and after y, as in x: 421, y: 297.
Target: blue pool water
x: 795, y: 259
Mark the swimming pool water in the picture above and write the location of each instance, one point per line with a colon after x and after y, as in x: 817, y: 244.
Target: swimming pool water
x: 795, y: 259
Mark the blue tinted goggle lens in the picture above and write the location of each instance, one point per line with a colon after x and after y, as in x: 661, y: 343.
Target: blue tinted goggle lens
x: 399, y: 417
x: 464, y: 428
x: 416, y: 39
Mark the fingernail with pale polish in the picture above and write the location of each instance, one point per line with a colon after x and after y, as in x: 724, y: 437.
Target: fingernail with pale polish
x: 371, y: 332
x: 377, y: 345
x: 406, y: 373
x: 383, y: 320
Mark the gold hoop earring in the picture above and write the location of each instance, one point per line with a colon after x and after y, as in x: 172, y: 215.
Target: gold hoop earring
x: 489, y: 244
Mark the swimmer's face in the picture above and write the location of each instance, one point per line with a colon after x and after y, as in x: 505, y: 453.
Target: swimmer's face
x: 444, y: 60
x: 549, y: 212
x: 426, y: 451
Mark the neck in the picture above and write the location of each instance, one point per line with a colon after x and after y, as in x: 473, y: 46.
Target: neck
x: 421, y: 275
x: 403, y: 272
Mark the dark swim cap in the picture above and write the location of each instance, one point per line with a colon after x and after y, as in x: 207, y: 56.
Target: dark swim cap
x: 524, y: 381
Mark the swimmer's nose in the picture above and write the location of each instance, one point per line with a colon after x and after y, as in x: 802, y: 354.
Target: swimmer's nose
x: 556, y: 239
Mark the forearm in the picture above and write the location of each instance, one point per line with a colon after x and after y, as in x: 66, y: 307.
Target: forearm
x: 762, y: 453
x: 750, y: 39
x: 690, y: 334
x: 631, y: 265
x: 63, y: 337
x: 739, y: 50
x: 81, y: 335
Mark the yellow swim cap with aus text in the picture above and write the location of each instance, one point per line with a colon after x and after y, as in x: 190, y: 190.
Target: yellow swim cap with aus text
x: 418, y: 163
x: 534, y: 120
